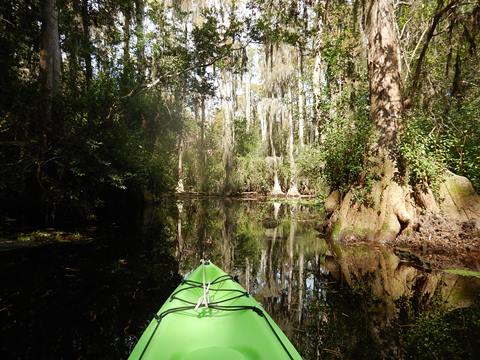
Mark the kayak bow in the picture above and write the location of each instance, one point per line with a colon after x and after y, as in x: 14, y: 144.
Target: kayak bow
x: 211, y: 317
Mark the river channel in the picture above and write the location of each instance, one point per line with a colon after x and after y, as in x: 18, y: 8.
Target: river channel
x: 334, y: 301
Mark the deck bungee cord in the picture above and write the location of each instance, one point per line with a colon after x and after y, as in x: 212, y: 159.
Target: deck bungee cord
x: 205, y: 302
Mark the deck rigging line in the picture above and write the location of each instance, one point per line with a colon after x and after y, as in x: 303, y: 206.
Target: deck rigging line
x: 216, y: 305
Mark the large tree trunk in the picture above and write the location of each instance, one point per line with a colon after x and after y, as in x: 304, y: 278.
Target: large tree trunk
x: 228, y: 101
x: 293, y: 189
x: 277, y: 189
x: 384, y: 74
x: 139, y: 33
x: 391, y: 207
x: 50, y: 64
x: 50, y: 124
x: 180, y: 188
x: 126, y: 34
x: 86, y: 47
x: 248, y: 102
x: 301, y: 100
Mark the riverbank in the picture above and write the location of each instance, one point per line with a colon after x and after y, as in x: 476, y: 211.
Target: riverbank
x: 42, y: 238
x: 443, y: 242
x: 435, y: 243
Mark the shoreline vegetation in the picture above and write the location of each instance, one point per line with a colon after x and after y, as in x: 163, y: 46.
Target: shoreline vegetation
x: 367, y: 109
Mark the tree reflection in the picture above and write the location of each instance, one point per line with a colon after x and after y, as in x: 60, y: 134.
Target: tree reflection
x: 347, y: 301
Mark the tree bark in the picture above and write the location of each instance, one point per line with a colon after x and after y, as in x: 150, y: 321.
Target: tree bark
x: 75, y: 48
x: 293, y: 189
x: 86, y: 46
x: 126, y: 34
x: 139, y: 33
x: 228, y: 100
x: 384, y: 75
x: 50, y: 63
x: 277, y: 189
x: 390, y: 207
x: 202, y: 153
x: 301, y: 100
x: 248, y: 102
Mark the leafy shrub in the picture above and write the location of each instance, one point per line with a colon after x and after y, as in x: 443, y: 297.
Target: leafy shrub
x: 345, y: 149
x: 461, y: 138
x: 310, y: 163
x: 251, y: 173
x: 437, y: 140
x: 421, y: 151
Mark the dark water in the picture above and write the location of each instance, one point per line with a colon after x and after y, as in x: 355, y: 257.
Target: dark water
x: 334, y: 301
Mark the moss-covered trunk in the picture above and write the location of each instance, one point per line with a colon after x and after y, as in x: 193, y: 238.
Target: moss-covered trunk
x: 385, y: 207
x: 382, y: 207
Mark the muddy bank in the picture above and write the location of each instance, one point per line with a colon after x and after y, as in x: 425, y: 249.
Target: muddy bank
x: 443, y: 242
x: 428, y: 254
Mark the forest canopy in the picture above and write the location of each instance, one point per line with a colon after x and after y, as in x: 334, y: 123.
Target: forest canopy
x: 105, y: 103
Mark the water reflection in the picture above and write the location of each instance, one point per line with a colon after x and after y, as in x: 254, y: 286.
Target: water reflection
x: 332, y: 300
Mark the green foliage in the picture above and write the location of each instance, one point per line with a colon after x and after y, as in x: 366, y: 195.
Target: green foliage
x: 435, y: 140
x: 338, y: 51
x: 345, y: 149
x: 111, y: 138
x: 445, y: 334
x: 118, y: 118
x: 421, y: 152
x: 279, y: 22
x: 51, y: 235
x: 446, y: 102
x: 113, y: 147
x: 251, y: 171
x: 461, y: 139
x: 247, y: 245
x: 310, y: 163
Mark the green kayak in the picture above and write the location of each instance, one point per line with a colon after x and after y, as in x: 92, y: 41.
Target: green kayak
x: 211, y: 317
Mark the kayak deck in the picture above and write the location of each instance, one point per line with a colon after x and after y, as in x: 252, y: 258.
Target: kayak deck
x: 210, y: 316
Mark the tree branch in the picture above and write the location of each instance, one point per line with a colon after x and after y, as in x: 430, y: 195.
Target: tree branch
x: 197, y: 66
x: 431, y: 31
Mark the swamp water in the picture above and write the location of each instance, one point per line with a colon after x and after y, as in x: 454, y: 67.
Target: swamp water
x: 334, y: 301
